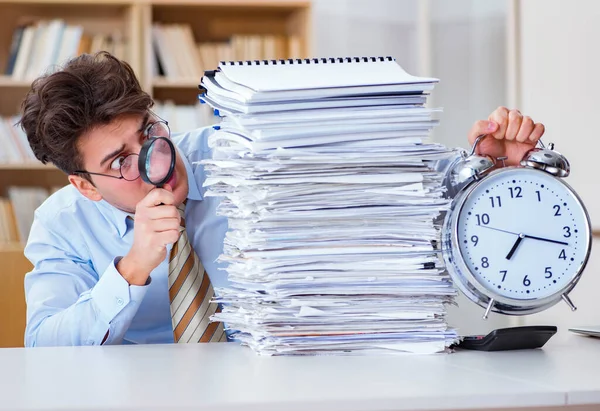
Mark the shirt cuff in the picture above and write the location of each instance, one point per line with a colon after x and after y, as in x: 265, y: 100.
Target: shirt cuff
x: 113, y: 293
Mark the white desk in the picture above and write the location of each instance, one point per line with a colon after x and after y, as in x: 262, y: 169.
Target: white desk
x: 223, y: 377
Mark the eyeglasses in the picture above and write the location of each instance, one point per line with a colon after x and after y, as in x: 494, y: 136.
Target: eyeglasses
x: 127, y: 164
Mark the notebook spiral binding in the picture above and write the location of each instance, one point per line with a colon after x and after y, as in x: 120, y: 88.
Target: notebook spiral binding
x: 322, y: 60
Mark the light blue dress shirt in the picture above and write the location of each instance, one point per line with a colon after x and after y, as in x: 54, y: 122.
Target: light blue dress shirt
x: 74, y: 292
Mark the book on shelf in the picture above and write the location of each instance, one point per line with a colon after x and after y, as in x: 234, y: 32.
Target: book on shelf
x: 14, y: 141
x: 8, y: 222
x: 183, y: 118
x: 18, y: 210
x: 178, y: 56
x: 40, y: 46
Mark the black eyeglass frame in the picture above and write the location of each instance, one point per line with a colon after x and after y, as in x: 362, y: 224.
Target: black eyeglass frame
x: 121, y: 177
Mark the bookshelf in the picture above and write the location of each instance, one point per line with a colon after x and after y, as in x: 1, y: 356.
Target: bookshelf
x: 208, y: 21
x: 12, y: 301
x: 217, y: 21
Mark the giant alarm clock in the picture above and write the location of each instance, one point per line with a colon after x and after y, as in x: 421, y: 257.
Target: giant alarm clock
x: 516, y: 239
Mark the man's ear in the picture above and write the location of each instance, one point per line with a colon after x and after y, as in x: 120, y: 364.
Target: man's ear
x: 85, y: 187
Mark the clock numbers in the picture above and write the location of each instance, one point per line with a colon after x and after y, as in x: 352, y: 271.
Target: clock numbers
x: 526, y: 282
x: 557, y: 211
x: 496, y: 200
x: 539, y: 196
x: 567, y: 233
x: 562, y: 255
x: 485, y: 263
x: 482, y: 219
x: 548, y: 272
x: 474, y: 240
x: 515, y: 192
x: 503, y: 272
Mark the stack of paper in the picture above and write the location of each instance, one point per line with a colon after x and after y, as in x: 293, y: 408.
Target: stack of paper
x: 329, y: 183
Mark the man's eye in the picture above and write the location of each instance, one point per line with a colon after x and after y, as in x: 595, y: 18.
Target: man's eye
x: 116, y: 164
x: 147, y: 131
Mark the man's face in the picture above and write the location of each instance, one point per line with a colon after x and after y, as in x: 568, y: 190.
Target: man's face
x: 103, y: 148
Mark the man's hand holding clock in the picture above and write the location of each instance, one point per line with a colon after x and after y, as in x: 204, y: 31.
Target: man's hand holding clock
x: 514, y: 134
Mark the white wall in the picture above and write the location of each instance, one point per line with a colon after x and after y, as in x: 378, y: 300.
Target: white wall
x: 560, y: 84
x: 367, y: 28
x: 468, y: 56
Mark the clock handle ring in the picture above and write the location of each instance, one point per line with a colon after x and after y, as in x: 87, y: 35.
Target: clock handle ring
x: 540, y: 143
x: 476, y: 142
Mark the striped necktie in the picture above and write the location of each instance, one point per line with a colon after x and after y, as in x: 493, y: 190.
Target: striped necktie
x: 190, y: 292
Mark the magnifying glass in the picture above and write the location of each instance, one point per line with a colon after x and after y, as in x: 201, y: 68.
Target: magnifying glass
x: 157, y: 161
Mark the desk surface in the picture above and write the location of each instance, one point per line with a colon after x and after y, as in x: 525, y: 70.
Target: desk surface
x: 229, y: 377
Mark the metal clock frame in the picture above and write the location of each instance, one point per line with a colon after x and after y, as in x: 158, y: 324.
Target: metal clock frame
x: 472, y: 287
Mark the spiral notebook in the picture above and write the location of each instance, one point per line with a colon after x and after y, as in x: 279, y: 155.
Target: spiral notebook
x: 280, y: 75
x: 264, y: 81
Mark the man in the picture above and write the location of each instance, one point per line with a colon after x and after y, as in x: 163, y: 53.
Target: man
x: 107, y: 248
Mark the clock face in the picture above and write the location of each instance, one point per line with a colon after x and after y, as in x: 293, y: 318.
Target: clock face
x: 523, y: 234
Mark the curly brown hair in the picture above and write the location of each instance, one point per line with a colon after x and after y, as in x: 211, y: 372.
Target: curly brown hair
x: 89, y: 91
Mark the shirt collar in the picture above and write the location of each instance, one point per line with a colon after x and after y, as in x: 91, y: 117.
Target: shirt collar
x: 119, y: 217
x: 193, y: 190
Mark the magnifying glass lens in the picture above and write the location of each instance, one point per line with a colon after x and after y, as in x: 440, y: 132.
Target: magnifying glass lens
x: 157, y: 160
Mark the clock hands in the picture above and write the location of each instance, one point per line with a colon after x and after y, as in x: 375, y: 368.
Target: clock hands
x: 514, y: 247
x: 497, y: 229
x: 521, y: 237
x: 546, y: 239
